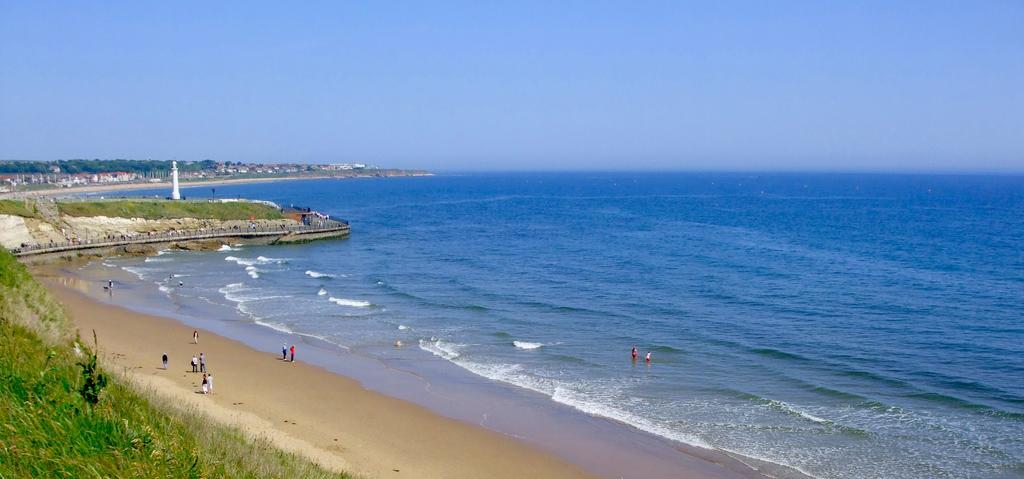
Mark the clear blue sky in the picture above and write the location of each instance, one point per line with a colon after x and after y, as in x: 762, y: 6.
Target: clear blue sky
x: 816, y: 85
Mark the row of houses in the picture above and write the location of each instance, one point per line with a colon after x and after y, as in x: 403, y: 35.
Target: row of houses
x: 10, y: 181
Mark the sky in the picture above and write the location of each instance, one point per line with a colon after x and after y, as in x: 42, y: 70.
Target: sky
x: 591, y: 85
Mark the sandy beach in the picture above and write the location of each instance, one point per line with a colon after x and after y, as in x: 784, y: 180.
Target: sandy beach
x: 302, y: 408
x: 333, y: 419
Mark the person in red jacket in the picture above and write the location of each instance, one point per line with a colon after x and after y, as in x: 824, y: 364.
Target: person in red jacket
x: 293, y: 353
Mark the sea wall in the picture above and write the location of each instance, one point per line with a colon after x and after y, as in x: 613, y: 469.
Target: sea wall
x: 208, y: 244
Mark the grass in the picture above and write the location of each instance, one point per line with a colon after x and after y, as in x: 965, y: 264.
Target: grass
x: 155, y: 209
x: 48, y: 429
x: 17, y: 208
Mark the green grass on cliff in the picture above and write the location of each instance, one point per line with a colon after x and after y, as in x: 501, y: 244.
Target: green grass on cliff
x: 16, y: 208
x: 49, y: 430
x: 157, y: 209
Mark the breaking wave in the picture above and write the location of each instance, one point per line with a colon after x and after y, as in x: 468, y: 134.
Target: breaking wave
x: 527, y: 345
x: 354, y: 303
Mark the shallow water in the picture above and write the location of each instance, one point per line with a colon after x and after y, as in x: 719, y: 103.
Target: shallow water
x: 849, y: 326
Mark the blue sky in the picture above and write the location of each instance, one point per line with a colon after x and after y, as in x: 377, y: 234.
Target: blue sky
x: 904, y: 86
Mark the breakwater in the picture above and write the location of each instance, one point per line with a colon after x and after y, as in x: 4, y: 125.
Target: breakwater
x: 125, y: 243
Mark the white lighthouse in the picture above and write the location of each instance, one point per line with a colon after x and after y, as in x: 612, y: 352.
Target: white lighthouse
x: 175, y: 194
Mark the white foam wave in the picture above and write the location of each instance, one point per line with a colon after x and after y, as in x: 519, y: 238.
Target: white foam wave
x: 253, y: 274
x: 272, y: 325
x: 314, y: 274
x: 240, y: 261
x: 225, y: 247
x: 789, y: 409
x: 556, y: 390
x: 139, y: 272
x: 322, y: 292
x: 526, y: 345
x: 580, y: 401
x: 441, y: 349
x: 402, y: 327
x: 154, y: 259
x: 231, y: 292
x: 266, y: 260
x: 164, y: 289
x: 354, y: 303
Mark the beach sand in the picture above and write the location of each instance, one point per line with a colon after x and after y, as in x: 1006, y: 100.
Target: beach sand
x: 302, y: 408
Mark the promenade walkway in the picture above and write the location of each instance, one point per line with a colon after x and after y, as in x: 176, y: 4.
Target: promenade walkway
x: 327, y: 226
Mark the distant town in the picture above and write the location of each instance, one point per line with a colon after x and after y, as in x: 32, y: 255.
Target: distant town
x: 19, y: 176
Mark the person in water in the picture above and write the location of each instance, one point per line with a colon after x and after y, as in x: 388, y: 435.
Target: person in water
x: 648, y: 358
x: 635, y: 354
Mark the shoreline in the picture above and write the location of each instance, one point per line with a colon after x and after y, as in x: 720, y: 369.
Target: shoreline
x: 300, y: 407
x: 185, y: 184
x: 590, y: 445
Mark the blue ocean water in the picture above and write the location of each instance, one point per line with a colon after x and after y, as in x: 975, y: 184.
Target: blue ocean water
x: 848, y: 326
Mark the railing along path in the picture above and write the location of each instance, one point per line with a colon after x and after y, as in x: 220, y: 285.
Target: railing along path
x: 326, y: 226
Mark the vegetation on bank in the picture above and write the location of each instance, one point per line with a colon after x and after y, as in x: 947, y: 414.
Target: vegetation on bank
x: 157, y: 209
x: 17, y: 208
x: 52, y: 426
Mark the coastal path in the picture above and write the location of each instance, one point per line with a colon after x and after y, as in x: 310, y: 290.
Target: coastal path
x: 321, y: 229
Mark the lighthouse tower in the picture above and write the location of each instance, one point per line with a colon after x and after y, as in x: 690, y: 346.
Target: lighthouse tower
x: 175, y: 194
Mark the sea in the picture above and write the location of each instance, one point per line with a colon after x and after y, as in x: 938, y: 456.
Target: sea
x: 841, y: 325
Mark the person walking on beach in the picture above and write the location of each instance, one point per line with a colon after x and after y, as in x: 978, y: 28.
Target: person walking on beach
x: 202, y: 362
x: 195, y: 337
x: 284, y: 351
x: 165, y: 360
x: 209, y: 382
x: 635, y: 354
x: 293, y: 353
x: 110, y: 284
x: 195, y: 364
x: 206, y: 385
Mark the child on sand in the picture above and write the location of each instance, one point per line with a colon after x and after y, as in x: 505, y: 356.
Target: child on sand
x: 165, y: 360
x: 206, y: 385
x: 209, y: 382
x: 293, y: 353
x: 195, y: 337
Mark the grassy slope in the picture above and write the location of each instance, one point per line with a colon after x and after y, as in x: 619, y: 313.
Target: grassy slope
x: 153, y: 210
x: 17, y: 208
x: 48, y: 430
